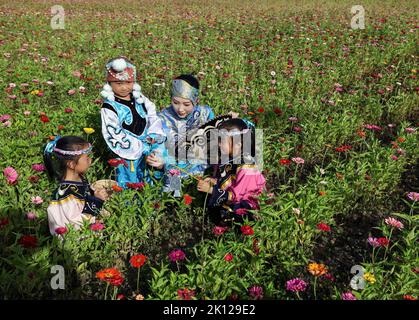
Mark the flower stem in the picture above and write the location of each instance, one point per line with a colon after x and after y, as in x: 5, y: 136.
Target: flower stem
x: 106, y: 291
x: 203, y: 217
x: 138, y: 278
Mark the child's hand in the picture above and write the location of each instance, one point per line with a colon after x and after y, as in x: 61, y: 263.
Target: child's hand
x: 102, y: 194
x: 233, y: 114
x: 205, y: 185
x: 154, y: 161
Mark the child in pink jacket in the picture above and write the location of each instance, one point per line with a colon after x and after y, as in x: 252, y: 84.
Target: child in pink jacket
x: 237, y: 181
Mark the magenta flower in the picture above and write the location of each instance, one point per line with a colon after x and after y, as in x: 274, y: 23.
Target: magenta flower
x: 296, y: 285
x: 374, y: 242
x: 37, y: 200
x: 11, y: 175
x: 176, y: 255
x: 174, y: 172
x: 5, y: 117
x: 414, y: 196
x: 31, y: 216
x: 393, y: 157
x: 394, y: 223
x: 38, y: 167
x: 219, y: 230
x: 61, y: 230
x: 97, y: 226
x: 348, y: 296
x: 241, y: 211
x: 298, y: 160
x: 256, y: 292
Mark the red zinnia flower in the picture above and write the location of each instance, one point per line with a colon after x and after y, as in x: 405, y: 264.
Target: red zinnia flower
x: 44, y: 118
x: 284, y: 162
x: 138, y: 260
x: 117, y: 162
x: 116, y: 281
x: 409, y: 297
x: 261, y: 110
x: 186, y: 294
x: 278, y: 111
x: 187, y: 199
x: 28, y: 241
x: 117, y: 188
x: 135, y: 186
x: 247, y: 230
x: 384, y: 242
x: 4, y: 222
x: 323, y: 227
x: 109, y: 274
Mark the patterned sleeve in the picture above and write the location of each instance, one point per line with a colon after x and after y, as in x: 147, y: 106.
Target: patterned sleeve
x: 119, y: 140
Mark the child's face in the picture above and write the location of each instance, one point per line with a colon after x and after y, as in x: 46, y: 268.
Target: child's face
x: 122, y: 89
x: 228, y: 147
x: 83, y: 164
x: 183, y: 107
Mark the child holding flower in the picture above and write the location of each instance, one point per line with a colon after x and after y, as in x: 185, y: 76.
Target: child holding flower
x: 130, y: 125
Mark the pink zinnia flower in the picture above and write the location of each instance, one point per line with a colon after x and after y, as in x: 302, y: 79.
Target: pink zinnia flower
x: 228, y: 257
x: 174, y: 172
x: 31, y: 216
x: 348, y: 296
x: 393, y: 157
x: 298, y: 160
x: 38, y: 167
x: 296, y: 285
x: 410, y: 130
x: 256, y: 292
x: 7, y: 124
x: 293, y: 119
x: 219, y: 230
x: 97, y: 226
x: 372, y: 127
x: 71, y: 92
x: 26, y: 113
x: 82, y: 89
x: 37, y: 200
x: 390, y: 221
x: 11, y: 175
x: 5, y: 117
x: 374, y: 242
x: 176, y: 255
x: 413, y: 196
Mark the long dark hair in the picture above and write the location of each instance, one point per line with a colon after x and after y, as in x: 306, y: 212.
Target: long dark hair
x: 56, y: 163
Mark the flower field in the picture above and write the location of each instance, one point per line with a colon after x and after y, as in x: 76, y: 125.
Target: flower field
x: 339, y: 112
